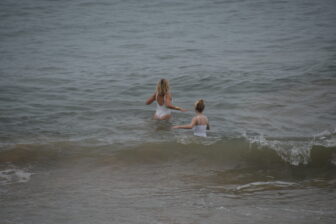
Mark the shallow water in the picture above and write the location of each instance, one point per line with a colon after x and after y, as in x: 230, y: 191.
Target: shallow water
x: 78, y: 144
x: 164, y: 183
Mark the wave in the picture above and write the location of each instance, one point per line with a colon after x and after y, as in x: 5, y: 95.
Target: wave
x: 300, y: 150
x: 256, y: 151
x: 232, y: 166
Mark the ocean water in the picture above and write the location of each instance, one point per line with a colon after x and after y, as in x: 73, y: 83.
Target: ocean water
x: 77, y: 142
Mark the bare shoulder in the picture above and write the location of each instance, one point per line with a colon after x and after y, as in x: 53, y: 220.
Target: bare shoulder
x: 151, y: 99
x: 194, y: 121
x: 169, y: 95
x: 206, y: 118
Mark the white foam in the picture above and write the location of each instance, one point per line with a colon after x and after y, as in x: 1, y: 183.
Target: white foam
x: 261, y: 184
x: 14, y: 175
x: 295, y: 151
x: 325, y: 138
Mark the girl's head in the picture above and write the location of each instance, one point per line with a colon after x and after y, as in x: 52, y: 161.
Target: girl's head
x: 199, y: 106
x: 162, y: 87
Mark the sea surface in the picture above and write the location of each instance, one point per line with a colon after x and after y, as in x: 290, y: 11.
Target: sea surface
x: 78, y: 144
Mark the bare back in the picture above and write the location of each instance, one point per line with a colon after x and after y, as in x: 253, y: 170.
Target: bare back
x: 201, y: 120
x: 161, y: 100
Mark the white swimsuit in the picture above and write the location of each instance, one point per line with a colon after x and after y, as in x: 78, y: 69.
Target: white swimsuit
x: 200, y: 130
x: 161, y: 110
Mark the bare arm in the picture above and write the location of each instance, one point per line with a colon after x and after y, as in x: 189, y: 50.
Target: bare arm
x: 150, y: 99
x: 171, y: 106
x: 187, y: 126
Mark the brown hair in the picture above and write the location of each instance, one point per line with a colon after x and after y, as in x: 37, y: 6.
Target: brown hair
x: 162, y: 87
x: 199, y: 105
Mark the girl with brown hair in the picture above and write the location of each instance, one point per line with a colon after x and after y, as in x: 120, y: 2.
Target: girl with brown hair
x: 200, y: 122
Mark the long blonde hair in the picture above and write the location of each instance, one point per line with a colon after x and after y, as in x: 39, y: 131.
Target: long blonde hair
x: 162, y: 87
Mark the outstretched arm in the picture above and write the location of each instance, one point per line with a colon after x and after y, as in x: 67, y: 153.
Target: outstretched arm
x: 187, y: 126
x: 150, y: 99
x: 171, y: 106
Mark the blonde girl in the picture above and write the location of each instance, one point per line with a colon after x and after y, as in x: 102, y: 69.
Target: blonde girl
x: 163, y: 99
